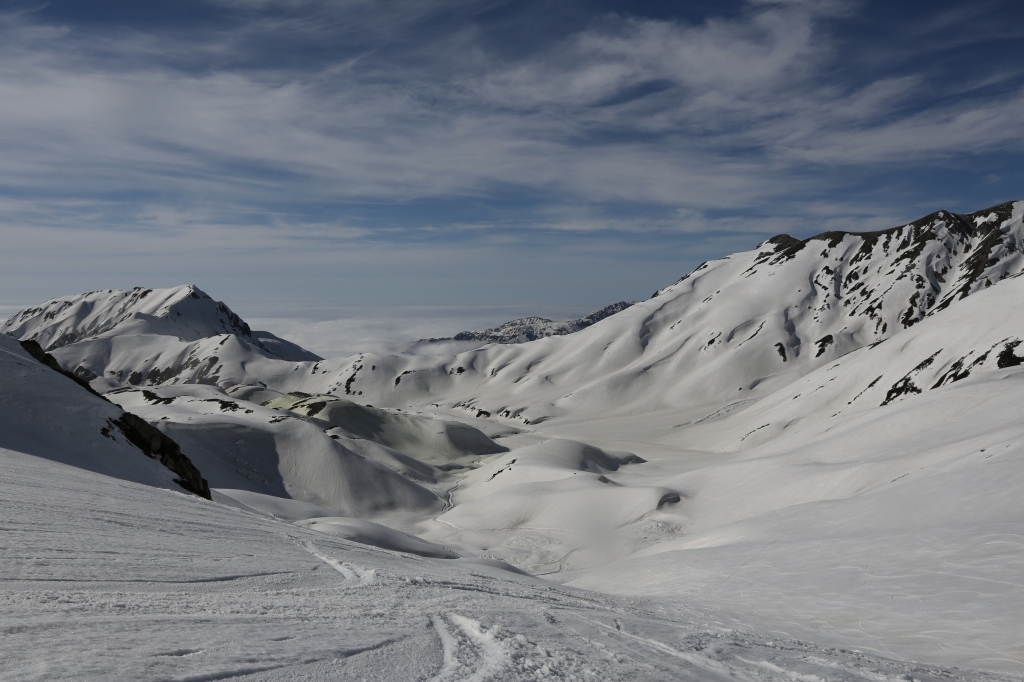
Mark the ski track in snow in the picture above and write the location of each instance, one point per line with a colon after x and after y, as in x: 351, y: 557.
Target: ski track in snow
x: 450, y: 650
x: 350, y: 571
x: 476, y: 656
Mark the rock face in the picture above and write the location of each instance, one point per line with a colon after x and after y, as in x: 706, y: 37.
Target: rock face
x: 532, y: 328
x: 909, y: 270
x: 158, y: 446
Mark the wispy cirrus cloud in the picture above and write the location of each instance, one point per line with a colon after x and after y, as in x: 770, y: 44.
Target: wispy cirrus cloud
x: 362, y: 123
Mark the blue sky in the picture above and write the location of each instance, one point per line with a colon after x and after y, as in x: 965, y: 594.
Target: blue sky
x: 282, y: 153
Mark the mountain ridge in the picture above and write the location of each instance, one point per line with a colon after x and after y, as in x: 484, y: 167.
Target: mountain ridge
x: 741, y: 326
x: 524, y: 329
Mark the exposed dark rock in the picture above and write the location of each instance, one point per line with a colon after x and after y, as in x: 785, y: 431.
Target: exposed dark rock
x: 137, y: 430
x: 156, y: 445
x: 1006, y: 357
x: 906, y: 385
x: 351, y: 379
x: 823, y: 343
x: 315, y: 408
x: 155, y: 399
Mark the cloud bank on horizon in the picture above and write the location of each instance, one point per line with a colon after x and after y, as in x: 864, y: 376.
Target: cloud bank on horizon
x: 471, y: 152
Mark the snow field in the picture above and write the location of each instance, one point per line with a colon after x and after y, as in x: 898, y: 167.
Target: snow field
x: 115, y: 580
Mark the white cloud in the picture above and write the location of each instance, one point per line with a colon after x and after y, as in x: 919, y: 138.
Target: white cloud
x: 208, y: 137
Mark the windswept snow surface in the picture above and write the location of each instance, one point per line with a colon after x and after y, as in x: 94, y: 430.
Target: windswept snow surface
x: 105, y: 579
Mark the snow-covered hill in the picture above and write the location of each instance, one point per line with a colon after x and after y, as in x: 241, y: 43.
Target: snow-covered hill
x: 184, y: 312
x: 350, y: 459
x: 976, y: 336
x: 896, y: 528
x: 738, y: 328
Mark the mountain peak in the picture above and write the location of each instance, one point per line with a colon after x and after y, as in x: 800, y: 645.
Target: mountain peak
x: 183, y: 311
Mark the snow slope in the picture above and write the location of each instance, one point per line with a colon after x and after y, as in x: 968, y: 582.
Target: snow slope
x: 350, y: 459
x: 245, y: 446
x: 48, y: 415
x: 104, y: 579
x: 826, y: 430
x: 184, y: 312
x: 897, y: 528
x: 978, y: 335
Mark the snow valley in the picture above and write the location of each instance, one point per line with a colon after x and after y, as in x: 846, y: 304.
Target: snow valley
x: 804, y: 461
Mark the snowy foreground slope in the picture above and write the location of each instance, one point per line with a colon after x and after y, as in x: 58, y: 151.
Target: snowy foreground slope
x: 109, y: 580
x: 816, y: 439
x: 899, y: 528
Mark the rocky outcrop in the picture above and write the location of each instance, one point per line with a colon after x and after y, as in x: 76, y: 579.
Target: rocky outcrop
x: 158, y: 446
x: 138, y: 431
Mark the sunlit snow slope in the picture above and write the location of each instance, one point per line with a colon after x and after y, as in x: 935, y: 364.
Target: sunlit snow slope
x: 176, y: 325
x: 103, y: 579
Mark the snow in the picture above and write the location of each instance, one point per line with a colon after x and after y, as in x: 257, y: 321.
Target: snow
x: 814, y: 441
x: 245, y: 446
x: 906, y: 541
x: 107, y: 579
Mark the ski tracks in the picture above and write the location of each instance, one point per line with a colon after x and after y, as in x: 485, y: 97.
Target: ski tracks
x: 472, y: 654
x: 351, y: 572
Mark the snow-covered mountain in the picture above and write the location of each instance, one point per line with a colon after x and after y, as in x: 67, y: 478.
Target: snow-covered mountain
x: 184, y: 312
x: 526, y: 329
x: 818, y: 437
x: 351, y: 459
x: 150, y: 317
x: 738, y: 328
